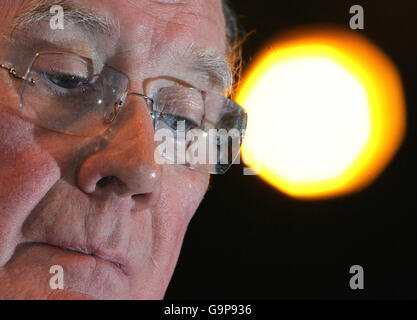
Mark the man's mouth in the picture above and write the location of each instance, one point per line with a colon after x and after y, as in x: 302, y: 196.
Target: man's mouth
x: 117, y: 264
x: 107, y: 258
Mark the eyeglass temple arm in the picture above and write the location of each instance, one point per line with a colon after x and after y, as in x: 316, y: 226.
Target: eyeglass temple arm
x: 14, y: 74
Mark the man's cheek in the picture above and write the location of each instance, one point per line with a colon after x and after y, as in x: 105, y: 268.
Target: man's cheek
x: 185, y: 188
x: 26, y: 175
x: 23, y: 283
x: 182, y: 192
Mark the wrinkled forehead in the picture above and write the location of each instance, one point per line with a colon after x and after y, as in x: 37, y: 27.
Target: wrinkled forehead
x: 200, y: 21
x: 153, y: 36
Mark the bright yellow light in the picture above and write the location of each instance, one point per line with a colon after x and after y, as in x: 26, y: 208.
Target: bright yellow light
x: 326, y: 113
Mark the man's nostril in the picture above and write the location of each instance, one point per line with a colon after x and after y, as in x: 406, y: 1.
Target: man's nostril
x: 141, y: 196
x: 108, y: 180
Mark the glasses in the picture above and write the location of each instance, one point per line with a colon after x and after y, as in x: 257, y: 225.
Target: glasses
x: 66, y: 93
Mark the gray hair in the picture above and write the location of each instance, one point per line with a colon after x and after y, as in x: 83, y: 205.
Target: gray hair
x: 234, y: 40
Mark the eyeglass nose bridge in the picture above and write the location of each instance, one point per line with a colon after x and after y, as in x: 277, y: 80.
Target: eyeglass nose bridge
x: 118, y: 106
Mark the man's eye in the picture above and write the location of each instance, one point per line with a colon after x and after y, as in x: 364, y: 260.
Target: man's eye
x: 66, y: 81
x: 176, y: 122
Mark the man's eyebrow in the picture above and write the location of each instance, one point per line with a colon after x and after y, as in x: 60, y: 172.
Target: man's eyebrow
x: 214, y: 66
x: 74, y: 14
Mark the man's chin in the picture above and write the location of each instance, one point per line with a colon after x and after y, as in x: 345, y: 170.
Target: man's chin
x: 69, y: 295
x: 35, y: 272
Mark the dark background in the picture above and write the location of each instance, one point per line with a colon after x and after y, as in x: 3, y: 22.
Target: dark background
x: 249, y: 241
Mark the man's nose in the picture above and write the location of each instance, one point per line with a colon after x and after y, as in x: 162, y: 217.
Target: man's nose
x: 125, y: 166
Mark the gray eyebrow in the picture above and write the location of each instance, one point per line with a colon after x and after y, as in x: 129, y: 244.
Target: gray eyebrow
x: 73, y: 14
x: 214, y: 65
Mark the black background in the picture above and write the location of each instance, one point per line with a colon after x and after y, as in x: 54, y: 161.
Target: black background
x: 249, y: 241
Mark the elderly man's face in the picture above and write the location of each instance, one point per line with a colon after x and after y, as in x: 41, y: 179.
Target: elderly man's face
x: 119, y: 237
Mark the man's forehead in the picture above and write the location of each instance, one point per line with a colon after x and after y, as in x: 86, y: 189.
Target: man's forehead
x: 164, y: 22
x: 198, y: 5
x: 205, y: 16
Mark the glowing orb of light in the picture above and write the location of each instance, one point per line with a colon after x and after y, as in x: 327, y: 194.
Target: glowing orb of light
x: 326, y: 113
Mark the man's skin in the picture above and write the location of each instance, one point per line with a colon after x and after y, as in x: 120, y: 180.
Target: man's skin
x: 50, y: 198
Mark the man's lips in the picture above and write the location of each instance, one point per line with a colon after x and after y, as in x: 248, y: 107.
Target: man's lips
x: 98, y: 254
x: 84, y: 276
